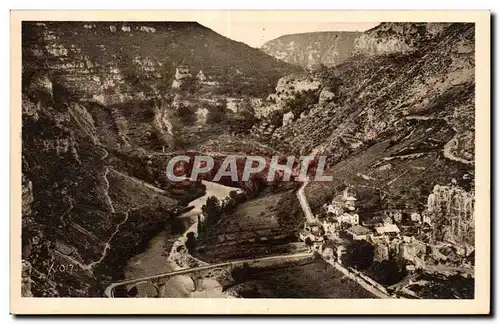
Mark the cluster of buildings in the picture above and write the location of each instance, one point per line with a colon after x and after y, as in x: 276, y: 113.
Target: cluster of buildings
x: 392, y: 233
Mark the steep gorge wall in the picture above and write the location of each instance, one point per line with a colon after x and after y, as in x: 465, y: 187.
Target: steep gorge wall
x: 389, y: 38
x: 73, y: 231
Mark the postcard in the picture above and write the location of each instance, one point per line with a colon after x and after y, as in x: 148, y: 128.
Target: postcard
x: 262, y: 162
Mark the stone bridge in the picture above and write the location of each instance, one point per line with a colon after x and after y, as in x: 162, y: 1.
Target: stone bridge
x: 198, y: 274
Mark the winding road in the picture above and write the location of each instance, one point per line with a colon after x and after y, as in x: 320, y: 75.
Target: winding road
x: 106, y: 191
x: 304, y: 203
x: 448, y: 147
x: 447, y: 151
x: 143, y: 183
x: 107, y: 245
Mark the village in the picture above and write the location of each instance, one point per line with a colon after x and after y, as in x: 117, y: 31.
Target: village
x: 358, y: 245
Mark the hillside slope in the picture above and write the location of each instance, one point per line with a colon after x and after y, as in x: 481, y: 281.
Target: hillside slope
x: 399, y: 122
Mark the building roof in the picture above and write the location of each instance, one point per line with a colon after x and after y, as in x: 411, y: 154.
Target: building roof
x: 380, y: 240
x: 359, y: 230
x: 387, y: 228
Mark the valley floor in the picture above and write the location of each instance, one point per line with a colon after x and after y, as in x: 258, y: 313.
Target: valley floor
x: 314, y: 280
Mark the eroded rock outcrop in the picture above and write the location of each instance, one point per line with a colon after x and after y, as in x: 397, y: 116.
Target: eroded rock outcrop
x: 389, y: 38
x: 287, y: 90
x: 451, y: 209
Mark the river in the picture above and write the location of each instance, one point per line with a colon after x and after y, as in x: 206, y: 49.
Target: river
x: 155, y: 259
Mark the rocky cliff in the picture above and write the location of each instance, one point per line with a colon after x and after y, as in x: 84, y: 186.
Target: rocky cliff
x: 309, y: 49
x: 389, y: 38
x: 100, y: 106
x: 451, y: 209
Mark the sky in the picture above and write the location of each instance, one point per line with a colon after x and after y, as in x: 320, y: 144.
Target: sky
x: 255, y: 30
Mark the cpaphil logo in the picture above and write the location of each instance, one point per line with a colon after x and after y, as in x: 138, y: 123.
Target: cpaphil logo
x: 237, y: 168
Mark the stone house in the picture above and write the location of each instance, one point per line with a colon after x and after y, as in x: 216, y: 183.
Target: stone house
x: 395, y: 214
x: 359, y: 232
x: 348, y: 218
x: 381, y: 247
x: 314, y: 232
x: 343, y: 202
x: 336, y: 208
x: 388, y: 229
x: 350, y: 203
x: 330, y: 225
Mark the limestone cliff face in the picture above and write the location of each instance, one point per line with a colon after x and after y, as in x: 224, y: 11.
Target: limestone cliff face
x: 388, y: 38
x: 309, y: 49
x: 451, y: 209
x: 114, y: 62
x: 127, y: 75
x: 27, y: 196
x: 287, y: 90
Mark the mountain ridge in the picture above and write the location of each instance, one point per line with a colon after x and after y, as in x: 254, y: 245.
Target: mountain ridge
x: 307, y: 49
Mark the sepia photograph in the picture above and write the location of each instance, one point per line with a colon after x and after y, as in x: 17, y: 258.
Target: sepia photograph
x: 301, y: 158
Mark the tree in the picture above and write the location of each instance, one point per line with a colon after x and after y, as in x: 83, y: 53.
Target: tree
x: 216, y: 114
x: 358, y: 255
x: 191, y: 242
x: 276, y: 118
x: 229, y: 205
x: 302, y: 101
x: 185, y: 114
x: 388, y: 272
x: 233, y: 194
x: 200, y: 227
x: 212, y: 210
x: 245, y: 120
x: 308, y: 242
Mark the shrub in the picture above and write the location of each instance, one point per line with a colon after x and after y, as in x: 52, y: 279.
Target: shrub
x: 216, y: 114
x: 185, y: 115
